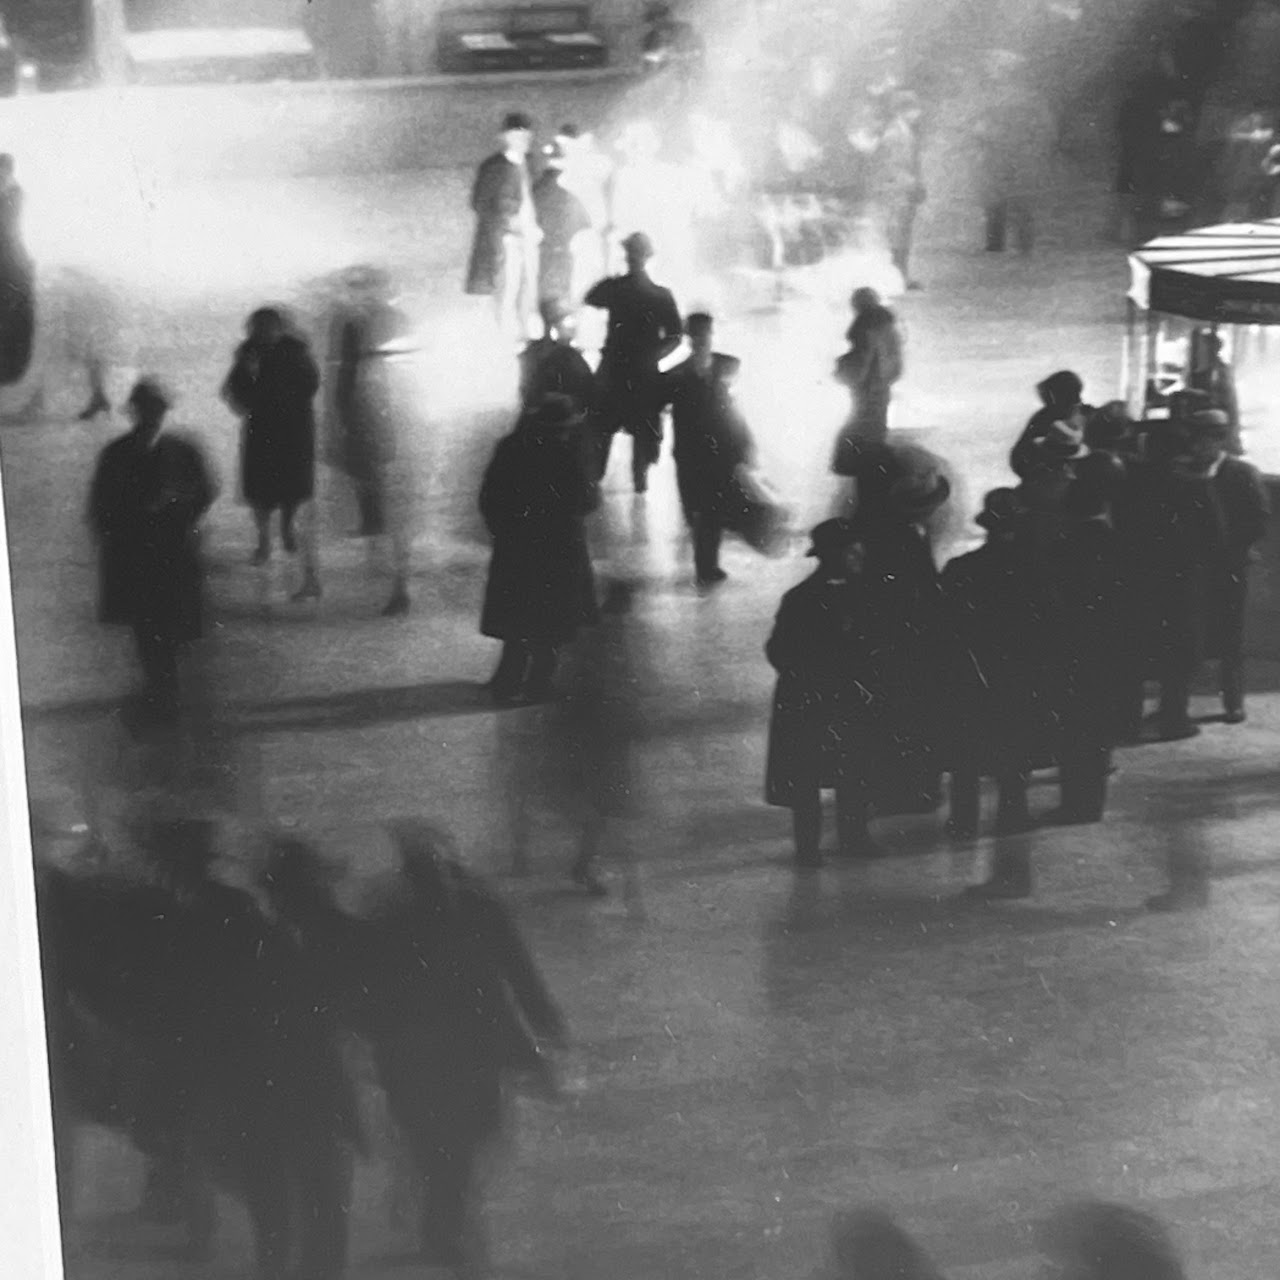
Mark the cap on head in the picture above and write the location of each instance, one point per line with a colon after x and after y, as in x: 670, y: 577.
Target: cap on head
x: 516, y: 122
x: 916, y: 497
x: 1001, y: 509
x: 865, y: 297
x: 1208, y: 424
x: 1062, y: 389
x: 554, y: 312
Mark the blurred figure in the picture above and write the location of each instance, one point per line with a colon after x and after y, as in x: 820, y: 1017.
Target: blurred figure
x: 1015, y: 136
x: 504, y: 248
x: 1000, y: 603
x: 562, y: 218
x: 435, y: 975
x: 869, y: 1245
x: 897, y: 179
x: 671, y: 43
x: 644, y: 328
x: 595, y: 727
x: 826, y: 730
x: 17, y: 280
x: 272, y: 387
x: 588, y: 174
x: 150, y: 489
x: 870, y: 367
x: 535, y: 498
x: 1211, y: 374
x: 711, y: 442
x: 552, y: 364
x: 1062, y: 408
x: 1099, y: 1241
x: 370, y: 335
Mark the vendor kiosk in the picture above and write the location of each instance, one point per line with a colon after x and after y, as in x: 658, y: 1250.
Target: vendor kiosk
x: 1204, y: 312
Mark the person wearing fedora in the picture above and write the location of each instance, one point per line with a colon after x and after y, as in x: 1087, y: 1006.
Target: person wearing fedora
x: 710, y: 441
x: 534, y: 499
x: 870, y: 367
x: 562, y: 218
x: 504, y: 248
x: 150, y: 490
x: 644, y: 327
x: 826, y: 728
x: 1000, y: 604
x: 1062, y: 413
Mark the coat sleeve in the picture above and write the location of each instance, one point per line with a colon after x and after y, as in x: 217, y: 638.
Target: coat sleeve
x: 239, y: 386
x: 784, y: 647
x: 1256, y: 508
x: 495, y: 491
x: 101, y: 508
x: 600, y: 294
x: 672, y: 325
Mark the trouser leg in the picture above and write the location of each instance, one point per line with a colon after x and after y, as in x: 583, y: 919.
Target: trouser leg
x: 262, y: 522
x: 1082, y: 775
x: 1175, y: 700
x: 852, y: 812
x: 158, y: 654
x: 1232, y: 660
x: 806, y: 821
x: 543, y: 659
x: 707, y: 536
x: 966, y: 792
x: 509, y: 675
x: 1012, y: 813
x: 997, y: 212
x: 1022, y: 215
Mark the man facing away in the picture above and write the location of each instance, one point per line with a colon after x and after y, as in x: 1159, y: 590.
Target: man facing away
x: 644, y: 328
x: 503, y: 263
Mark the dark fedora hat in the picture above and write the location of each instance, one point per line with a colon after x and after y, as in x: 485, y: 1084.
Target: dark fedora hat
x: 556, y: 410
x: 150, y: 391
x: 1000, y: 509
x: 516, y: 121
x: 1208, y: 422
x: 832, y: 535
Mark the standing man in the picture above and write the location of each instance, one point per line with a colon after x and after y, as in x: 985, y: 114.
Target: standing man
x: 1015, y: 136
x: 644, y: 328
x: 710, y: 442
x: 562, y: 217
x: 504, y: 249
x: 148, y: 494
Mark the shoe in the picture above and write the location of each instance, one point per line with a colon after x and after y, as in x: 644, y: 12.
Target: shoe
x: 310, y: 590
x: 1235, y: 715
x: 98, y: 403
x: 262, y: 554
x: 999, y: 890
x: 712, y: 580
x: 1189, y: 897
x: 1179, y: 732
x: 397, y: 606
x: 288, y: 541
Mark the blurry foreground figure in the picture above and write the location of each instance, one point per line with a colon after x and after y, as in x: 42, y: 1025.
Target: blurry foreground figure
x: 436, y: 977
x: 869, y: 1245
x: 535, y: 498
x: 271, y: 386
x: 149, y: 491
x: 1099, y: 1241
x: 372, y: 415
x: 553, y: 364
x: 17, y: 280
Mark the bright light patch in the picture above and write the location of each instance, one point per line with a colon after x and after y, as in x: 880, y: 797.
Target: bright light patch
x: 197, y: 44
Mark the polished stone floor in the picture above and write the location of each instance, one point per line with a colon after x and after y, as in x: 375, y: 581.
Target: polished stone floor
x: 752, y: 1051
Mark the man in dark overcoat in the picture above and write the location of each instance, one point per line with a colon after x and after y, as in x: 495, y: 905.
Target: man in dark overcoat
x: 150, y: 489
x: 644, y: 328
x: 710, y: 442
x: 826, y: 729
x: 503, y: 261
x: 562, y: 217
x: 272, y: 386
x: 535, y: 498
x: 1002, y: 609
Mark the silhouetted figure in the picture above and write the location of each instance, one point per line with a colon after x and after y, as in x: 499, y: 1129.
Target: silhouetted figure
x: 237, y: 1078
x: 1001, y: 605
x: 562, y: 217
x: 272, y: 386
x: 644, y: 328
x: 373, y: 417
x: 1015, y: 136
x: 1062, y: 413
x: 17, y: 280
x: 552, y: 364
x: 534, y: 499
x: 437, y: 978
x: 710, y: 443
x: 1099, y: 1241
x: 149, y: 492
x: 897, y: 179
x: 1211, y: 374
x: 826, y: 730
x: 504, y: 248
x: 870, y: 367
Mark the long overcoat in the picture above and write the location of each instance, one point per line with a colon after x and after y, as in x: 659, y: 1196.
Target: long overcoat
x: 273, y: 388
x: 534, y: 499
x: 144, y: 506
x: 497, y: 197
x: 870, y: 367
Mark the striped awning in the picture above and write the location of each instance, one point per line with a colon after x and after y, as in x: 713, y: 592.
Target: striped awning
x: 1227, y: 274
